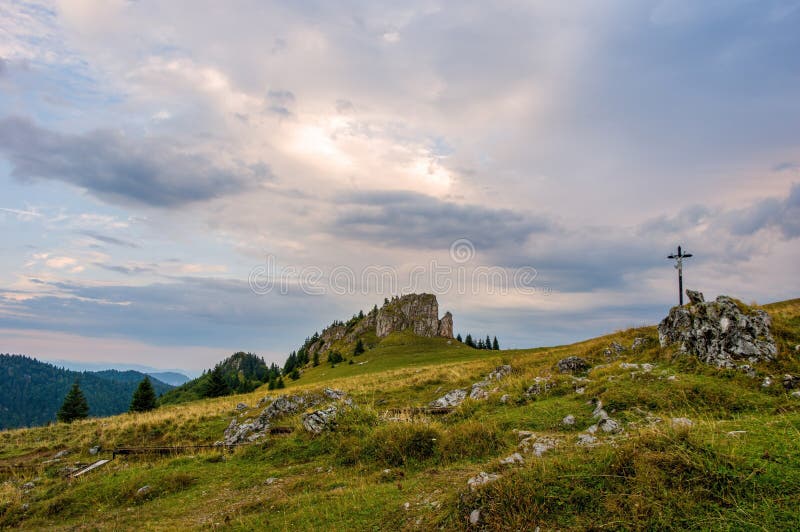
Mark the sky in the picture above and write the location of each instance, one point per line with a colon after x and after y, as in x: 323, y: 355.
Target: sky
x: 182, y: 180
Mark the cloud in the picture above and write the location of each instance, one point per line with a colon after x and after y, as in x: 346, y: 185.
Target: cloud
x: 109, y: 239
x: 782, y: 214
x: 419, y: 221
x: 153, y: 172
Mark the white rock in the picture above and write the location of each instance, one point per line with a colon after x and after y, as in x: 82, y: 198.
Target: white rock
x: 61, y: 454
x: 481, y: 479
x: 609, y: 425
x: 681, y: 422
x: 586, y: 440
x: 568, y: 420
x: 735, y: 433
x: 144, y: 490
x: 270, y: 481
x: 515, y: 458
x: 767, y: 382
x: 474, y: 517
x: 504, y: 398
x: 795, y: 394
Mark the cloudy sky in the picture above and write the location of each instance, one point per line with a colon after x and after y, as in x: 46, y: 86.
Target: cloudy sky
x: 154, y: 155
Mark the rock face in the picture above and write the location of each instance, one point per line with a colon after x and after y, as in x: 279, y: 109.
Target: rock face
x: 418, y: 312
x: 721, y: 333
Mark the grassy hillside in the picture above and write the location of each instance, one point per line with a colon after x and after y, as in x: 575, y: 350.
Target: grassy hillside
x: 736, y: 467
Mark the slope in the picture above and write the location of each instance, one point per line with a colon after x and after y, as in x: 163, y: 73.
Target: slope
x: 734, y: 465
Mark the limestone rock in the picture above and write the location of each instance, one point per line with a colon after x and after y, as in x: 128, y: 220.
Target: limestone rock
x: 540, y: 385
x: 638, y: 343
x: 586, y: 440
x: 681, y: 422
x: 480, y: 479
x: 94, y: 450
x: 28, y: 486
x: 475, y: 517
x: 568, y: 420
x: 144, y: 490
x: 452, y: 398
x: 418, y: 312
x: 538, y: 445
x: 719, y: 332
x: 791, y: 382
x: 321, y: 420
x: 515, y: 458
x: 240, y: 407
x: 614, y: 349
x: 572, y: 364
x: 60, y: 454
x: 695, y: 297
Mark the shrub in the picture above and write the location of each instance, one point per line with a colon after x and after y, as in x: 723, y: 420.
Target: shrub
x: 471, y: 440
x: 399, y: 443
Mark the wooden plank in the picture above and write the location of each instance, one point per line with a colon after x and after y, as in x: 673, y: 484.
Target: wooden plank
x: 95, y: 465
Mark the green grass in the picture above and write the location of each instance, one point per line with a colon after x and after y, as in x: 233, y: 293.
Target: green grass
x: 651, y: 477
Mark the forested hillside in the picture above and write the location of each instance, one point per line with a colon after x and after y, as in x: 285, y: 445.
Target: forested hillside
x: 32, y: 391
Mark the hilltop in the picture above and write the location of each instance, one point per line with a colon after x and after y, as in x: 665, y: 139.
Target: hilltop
x: 613, y: 432
x: 31, y: 391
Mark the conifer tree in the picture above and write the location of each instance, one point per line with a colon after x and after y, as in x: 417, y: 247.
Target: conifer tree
x: 487, y: 344
x: 468, y: 341
x: 74, y: 406
x: 458, y: 338
x: 496, y: 344
x: 144, y: 398
x: 359, y: 349
x: 280, y: 384
x: 216, y: 385
x: 316, y: 358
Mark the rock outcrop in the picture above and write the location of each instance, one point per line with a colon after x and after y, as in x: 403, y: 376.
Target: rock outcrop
x: 572, y: 364
x: 722, y: 333
x: 418, y: 312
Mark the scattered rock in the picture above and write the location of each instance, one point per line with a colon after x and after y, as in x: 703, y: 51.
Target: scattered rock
x: 736, y: 433
x: 580, y: 391
x: 639, y: 342
x: 25, y: 507
x: 523, y: 434
x: 515, y: 458
x: 609, y: 425
x: 540, y: 385
x: 672, y: 378
x: 573, y: 364
x: 480, y: 479
x: 499, y: 372
x: 767, y: 382
x: 538, y: 445
x: 94, y: 450
x: 61, y: 454
x: 614, y: 349
x: 647, y: 368
x: 335, y: 395
x: 475, y: 517
x: 316, y: 422
x: 241, y: 407
x: 748, y: 370
x: 144, y: 490
x: 568, y: 420
x: 795, y: 394
x: 719, y: 332
x: 791, y: 382
x: 681, y: 422
x: 586, y: 440
x: 452, y: 398
x: 270, y: 481
x: 254, y: 429
x: 406, y: 505
x: 504, y: 398
x: 478, y: 392
x: 28, y: 486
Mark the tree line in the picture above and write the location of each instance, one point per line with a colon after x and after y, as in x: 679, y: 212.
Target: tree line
x: 480, y: 343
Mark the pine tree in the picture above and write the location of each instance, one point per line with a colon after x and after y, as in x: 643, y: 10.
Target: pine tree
x: 272, y: 383
x: 468, y: 341
x: 496, y: 344
x: 74, y: 406
x: 280, y: 384
x: 144, y: 398
x: 295, y: 374
x: 487, y: 344
x: 458, y: 337
x: 216, y: 385
x: 359, y: 349
x: 316, y: 358
x: 479, y: 345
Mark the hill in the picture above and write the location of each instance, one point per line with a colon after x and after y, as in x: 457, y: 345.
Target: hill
x: 613, y: 432
x: 31, y: 391
x: 241, y: 372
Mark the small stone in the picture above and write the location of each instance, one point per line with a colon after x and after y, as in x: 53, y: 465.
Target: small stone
x: 94, y: 450
x: 610, y: 425
x: 28, y: 486
x: 144, y: 490
x: 671, y: 378
x: 795, y: 394
x: 407, y: 505
x: 682, y: 422
x: 767, y: 382
x: 25, y: 507
x: 586, y: 440
x: 61, y: 454
x: 481, y: 479
x: 568, y: 420
x: 523, y: 434
x: 580, y: 391
x: 241, y: 407
x: 270, y: 481
x: 504, y: 398
x: 791, y: 381
x: 736, y: 433
x: 450, y: 399
x: 515, y: 458
x: 540, y: 385
x: 474, y: 517
x: 638, y: 343
x: 572, y: 364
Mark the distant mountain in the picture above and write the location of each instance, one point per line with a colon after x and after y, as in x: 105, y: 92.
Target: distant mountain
x: 241, y: 372
x: 31, y: 391
x: 170, y: 377
x: 75, y: 365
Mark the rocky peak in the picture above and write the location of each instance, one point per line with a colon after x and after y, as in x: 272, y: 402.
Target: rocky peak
x: 418, y: 312
x: 721, y: 332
